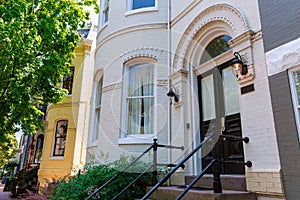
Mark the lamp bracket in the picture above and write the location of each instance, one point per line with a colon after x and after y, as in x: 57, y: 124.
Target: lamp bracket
x: 242, y: 57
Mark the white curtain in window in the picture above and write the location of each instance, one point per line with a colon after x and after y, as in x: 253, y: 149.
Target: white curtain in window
x: 140, y: 99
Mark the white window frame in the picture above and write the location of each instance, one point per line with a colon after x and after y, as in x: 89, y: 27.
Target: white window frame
x: 104, y: 9
x: 92, y: 140
x: 130, y: 11
x: 296, y: 104
x: 136, y: 138
x: 97, y: 109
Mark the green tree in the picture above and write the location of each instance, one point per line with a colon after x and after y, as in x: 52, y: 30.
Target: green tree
x: 37, y: 41
x: 7, y: 151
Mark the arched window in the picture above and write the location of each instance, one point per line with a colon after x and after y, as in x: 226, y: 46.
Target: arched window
x: 216, y: 47
x: 139, y: 99
x: 38, y: 149
x: 60, y: 138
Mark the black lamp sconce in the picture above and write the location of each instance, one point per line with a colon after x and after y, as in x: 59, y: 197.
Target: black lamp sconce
x: 238, y: 65
x: 172, y: 93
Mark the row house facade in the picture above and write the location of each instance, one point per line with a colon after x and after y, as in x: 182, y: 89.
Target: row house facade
x: 146, y: 48
x: 66, y: 123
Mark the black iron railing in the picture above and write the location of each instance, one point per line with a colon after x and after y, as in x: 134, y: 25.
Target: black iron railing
x: 196, y: 179
x: 217, y: 186
x: 167, y: 176
x: 154, y: 146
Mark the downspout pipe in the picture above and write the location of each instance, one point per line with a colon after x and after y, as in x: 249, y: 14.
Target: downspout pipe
x: 169, y: 63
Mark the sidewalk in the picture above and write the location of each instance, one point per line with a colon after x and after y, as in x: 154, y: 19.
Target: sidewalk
x: 4, y: 195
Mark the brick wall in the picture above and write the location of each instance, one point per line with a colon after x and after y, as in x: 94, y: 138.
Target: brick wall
x: 280, y: 22
x: 288, y: 143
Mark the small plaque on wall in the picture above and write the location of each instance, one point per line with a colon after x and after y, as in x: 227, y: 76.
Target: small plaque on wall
x: 248, y: 88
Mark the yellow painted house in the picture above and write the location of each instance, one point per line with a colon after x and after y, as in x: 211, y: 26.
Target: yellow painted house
x: 66, y: 129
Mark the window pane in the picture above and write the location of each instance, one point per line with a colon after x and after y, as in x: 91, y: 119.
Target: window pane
x: 297, y: 84
x: 68, y: 80
x: 39, y: 149
x: 231, y: 95
x: 60, y: 138
x: 97, y: 125
x: 94, y: 135
x: 105, y: 11
x: 216, y: 47
x: 140, y: 113
x: 99, y: 93
x: 208, y: 98
x: 142, y: 4
x: 140, y: 80
x: 105, y: 15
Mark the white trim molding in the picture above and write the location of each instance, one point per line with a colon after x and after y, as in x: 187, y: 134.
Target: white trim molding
x: 150, y: 52
x: 283, y: 57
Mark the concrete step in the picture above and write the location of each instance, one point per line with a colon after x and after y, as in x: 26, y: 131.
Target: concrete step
x: 229, y: 182
x: 171, y: 192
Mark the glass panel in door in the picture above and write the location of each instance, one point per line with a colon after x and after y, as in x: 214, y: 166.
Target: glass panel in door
x: 208, y: 98
x: 231, y: 95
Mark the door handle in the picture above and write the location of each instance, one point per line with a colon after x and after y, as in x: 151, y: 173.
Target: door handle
x: 222, y: 124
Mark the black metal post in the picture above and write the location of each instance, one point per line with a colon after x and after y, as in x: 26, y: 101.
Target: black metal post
x: 216, y: 171
x: 217, y: 180
x: 154, y: 173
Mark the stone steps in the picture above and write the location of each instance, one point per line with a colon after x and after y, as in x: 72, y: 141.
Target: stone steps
x: 234, y: 188
x: 171, y: 192
x: 229, y: 182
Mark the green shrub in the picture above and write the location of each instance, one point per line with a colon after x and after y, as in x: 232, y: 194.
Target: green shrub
x: 79, y: 187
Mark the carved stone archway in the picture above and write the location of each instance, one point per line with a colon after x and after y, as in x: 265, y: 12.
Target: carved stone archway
x: 228, y: 15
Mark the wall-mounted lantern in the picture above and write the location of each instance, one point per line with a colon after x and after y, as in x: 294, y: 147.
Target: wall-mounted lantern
x: 238, y: 65
x: 172, y: 93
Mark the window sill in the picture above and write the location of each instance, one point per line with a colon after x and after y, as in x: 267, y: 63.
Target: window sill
x: 137, y: 140
x: 141, y: 10
x: 92, y: 144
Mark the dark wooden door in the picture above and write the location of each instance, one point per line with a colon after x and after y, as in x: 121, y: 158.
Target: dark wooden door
x: 219, y: 114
